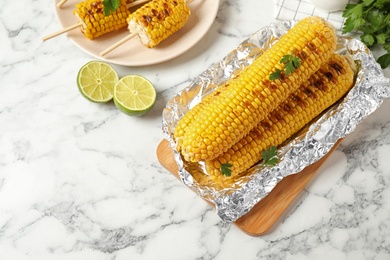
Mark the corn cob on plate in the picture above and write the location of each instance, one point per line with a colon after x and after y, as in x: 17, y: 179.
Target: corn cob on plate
x: 134, y: 53
x: 297, y: 153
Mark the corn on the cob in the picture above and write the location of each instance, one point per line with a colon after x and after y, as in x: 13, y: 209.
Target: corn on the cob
x: 95, y: 23
x: 157, y: 20
x: 323, y: 89
x: 251, y: 96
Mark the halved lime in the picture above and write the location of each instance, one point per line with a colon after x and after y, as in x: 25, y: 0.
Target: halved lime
x: 96, y: 81
x: 134, y: 95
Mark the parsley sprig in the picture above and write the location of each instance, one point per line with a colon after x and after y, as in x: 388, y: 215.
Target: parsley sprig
x: 371, y: 18
x: 110, y: 6
x: 270, y: 158
x: 291, y: 63
x: 226, y: 169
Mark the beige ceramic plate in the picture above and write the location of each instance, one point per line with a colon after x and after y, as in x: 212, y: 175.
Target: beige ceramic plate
x: 133, y: 53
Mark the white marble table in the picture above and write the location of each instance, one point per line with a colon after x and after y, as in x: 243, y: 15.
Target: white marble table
x: 81, y: 181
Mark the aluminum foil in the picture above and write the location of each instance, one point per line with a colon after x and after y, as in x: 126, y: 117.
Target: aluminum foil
x: 368, y: 93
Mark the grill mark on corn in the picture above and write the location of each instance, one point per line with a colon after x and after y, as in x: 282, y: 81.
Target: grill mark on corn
x: 311, y: 46
x: 276, y: 117
x: 319, y: 83
x: 283, y: 76
x: 270, y: 85
x: 288, y: 108
x: 265, y: 125
x: 257, y: 93
x: 309, y: 93
x: 337, y: 67
x: 298, y: 100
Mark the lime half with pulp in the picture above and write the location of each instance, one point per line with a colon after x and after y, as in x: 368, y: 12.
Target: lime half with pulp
x: 134, y: 95
x: 96, y: 81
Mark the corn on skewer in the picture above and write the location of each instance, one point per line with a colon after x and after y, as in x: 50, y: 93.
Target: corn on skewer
x: 324, y: 88
x: 252, y: 96
x: 92, y: 21
x: 155, y: 22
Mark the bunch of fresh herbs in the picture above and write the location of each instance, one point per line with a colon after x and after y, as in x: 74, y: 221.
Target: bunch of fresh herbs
x: 372, y: 19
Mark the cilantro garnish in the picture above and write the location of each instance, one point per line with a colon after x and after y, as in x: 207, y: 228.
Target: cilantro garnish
x: 275, y: 75
x: 110, y: 6
x: 371, y: 18
x: 225, y: 169
x: 270, y: 156
x: 291, y: 63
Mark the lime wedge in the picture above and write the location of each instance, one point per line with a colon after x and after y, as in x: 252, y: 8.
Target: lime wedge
x: 134, y: 95
x: 96, y: 81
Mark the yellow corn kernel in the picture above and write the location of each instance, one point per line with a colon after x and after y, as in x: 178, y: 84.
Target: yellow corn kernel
x: 265, y: 93
x: 323, y: 89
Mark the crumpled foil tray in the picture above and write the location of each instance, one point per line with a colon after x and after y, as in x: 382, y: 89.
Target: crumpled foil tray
x: 307, y: 147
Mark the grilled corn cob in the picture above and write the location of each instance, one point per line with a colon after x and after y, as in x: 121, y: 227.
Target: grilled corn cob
x: 323, y: 89
x: 251, y: 96
x: 157, y: 20
x: 95, y: 23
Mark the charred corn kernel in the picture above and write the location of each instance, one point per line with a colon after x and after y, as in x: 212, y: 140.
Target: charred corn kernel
x: 95, y: 23
x: 319, y: 40
x: 324, y: 88
x: 150, y: 22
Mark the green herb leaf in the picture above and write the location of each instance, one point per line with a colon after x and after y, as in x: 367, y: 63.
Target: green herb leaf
x: 381, y: 38
x: 270, y: 156
x: 348, y: 26
x: 275, y: 75
x: 285, y: 59
x: 110, y: 6
x: 225, y: 169
x: 367, y: 2
x: 381, y: 3
x: 384, y: 60
x: 291, y: 63
x: 357, y: 11
x: 368, y: 39
x: 371, y: 18
x: 349, y: 9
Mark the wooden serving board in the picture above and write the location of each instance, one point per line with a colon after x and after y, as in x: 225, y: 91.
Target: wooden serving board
x: 265, y: 213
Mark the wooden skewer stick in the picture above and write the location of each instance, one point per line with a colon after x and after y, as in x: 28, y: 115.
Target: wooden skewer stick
x: 67, y: 29
x: 117, y: 44
x: 60, y: 3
